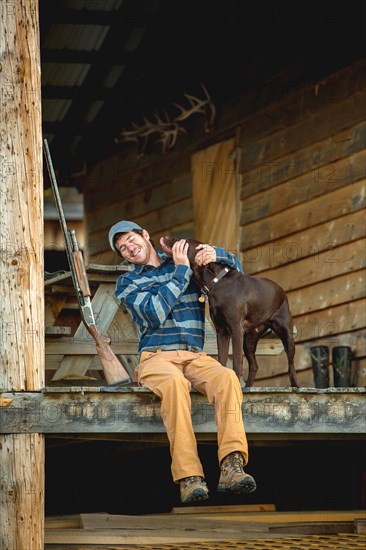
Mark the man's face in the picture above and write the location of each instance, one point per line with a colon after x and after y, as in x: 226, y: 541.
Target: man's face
x: 135, y: 248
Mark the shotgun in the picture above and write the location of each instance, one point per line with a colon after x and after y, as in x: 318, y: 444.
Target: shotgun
x: 113, y: 370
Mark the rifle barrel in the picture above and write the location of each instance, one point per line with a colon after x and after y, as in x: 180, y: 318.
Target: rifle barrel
x: 61, y: 215
x: 55, y: 190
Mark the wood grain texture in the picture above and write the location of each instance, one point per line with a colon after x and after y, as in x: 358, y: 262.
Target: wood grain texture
x: 270, y: 411
x: 282, y: 105
x: 21, y: 270
x: 324, y: 208
x: 259, y: 177
x: 319, y: 181
x: 215, y: 196
x: 306, y: 130
x: 302, y: 213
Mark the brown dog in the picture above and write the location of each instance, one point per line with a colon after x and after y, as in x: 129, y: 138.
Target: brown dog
x: 242, y: 308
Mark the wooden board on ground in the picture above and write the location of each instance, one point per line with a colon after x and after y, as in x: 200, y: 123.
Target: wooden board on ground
x: 360, y: 526
x: 290, y: 517
x: 162, y: 522
x: 226, y: 509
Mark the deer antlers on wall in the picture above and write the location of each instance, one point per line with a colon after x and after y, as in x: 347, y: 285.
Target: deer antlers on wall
x: 166, y: 130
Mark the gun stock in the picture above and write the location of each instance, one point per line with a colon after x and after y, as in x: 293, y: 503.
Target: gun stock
x: 114, y: 372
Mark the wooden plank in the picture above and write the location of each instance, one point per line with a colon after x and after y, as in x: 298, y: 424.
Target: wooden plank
x: 213, y: 178
x: 104, y: 305
x: 162, y: 220
x: 360, y: 526
x: 53, y: 306
x: 64, y: 290
x: 331, y: 322
x: 360, y: 374
x: 54, y: 330
x: 343, y: 144
x: 158, y: 522
x: 141, y: 203
x: 293, y: 517
x: 228, y: 509
x: 283, y: 105
x: 271, y: 411
x: 280, y: 379
x: 146, y: 537
x: 63, y: 522
x: 92, y: 269
x: 106, y: 268
x: 340, y: 202
x: 95, y: 275
x: 316, y: 183
x: 80, y: 348
x: 126, y: 175
x: 307, y: 130
x: 320, y: 267
x: 316, y: 528
x: 345, y: 288
x: 323, y: 237
x: 53, y: 363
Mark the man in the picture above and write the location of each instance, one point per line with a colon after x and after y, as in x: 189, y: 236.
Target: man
x: 163, y: 301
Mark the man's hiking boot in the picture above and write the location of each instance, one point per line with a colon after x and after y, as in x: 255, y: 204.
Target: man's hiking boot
x: 193, y: 489
x: 233, y: 479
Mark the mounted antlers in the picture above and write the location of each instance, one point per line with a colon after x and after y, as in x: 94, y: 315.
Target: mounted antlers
x: 168, y: 130
x: 202, y: 106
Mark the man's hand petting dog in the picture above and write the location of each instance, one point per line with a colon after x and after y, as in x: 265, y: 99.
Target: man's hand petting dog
x: 205, y: 255
x: 179, y: 250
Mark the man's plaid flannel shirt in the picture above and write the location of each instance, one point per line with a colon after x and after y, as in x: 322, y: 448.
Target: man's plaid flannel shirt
x: 163, y: 302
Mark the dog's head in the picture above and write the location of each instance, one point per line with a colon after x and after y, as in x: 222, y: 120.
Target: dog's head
x: 167, y: 244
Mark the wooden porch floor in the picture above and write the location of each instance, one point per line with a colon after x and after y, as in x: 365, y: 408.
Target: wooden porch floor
x: 206, y: 528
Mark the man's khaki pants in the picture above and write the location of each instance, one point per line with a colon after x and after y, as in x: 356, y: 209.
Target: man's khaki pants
x: 170, y: 375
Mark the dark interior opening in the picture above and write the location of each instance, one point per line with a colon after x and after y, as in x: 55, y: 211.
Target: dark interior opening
x: 113, y: 477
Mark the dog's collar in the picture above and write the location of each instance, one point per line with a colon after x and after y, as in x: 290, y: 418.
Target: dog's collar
x: 206, y: 288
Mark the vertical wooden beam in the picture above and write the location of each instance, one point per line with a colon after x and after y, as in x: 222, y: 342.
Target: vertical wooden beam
x: 21, y: 268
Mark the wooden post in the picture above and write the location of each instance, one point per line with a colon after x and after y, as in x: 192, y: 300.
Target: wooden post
x: 21, y: 268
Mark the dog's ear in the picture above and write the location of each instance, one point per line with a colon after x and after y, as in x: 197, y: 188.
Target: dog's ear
x: 193, y: 242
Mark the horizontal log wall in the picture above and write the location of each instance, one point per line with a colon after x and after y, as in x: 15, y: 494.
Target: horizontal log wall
x: 302, y: 219
x: 156, y: 193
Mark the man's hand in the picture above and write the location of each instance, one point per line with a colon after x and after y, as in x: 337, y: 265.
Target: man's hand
x: 180, y: 249
x: 205, y: 255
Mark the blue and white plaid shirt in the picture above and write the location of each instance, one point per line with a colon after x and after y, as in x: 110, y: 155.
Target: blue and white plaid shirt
x: 163, y: 302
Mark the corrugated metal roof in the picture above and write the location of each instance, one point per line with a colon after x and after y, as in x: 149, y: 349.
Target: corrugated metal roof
x: 112, y: 77
x: 93, y: 5
x: 55, y: 109
x: 64, y: 74
x: 76, y: 37
x: 134, y: 39
x: 93, y: 110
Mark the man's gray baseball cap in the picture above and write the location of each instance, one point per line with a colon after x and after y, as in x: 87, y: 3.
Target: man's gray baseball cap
x: 121, y: 227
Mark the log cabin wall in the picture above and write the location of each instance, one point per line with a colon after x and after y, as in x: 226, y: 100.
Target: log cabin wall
x: 155, y: 192
x: 300, y: 161
x: 302, y: 219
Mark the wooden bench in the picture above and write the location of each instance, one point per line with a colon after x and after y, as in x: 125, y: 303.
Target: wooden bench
x: 72, y: 353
